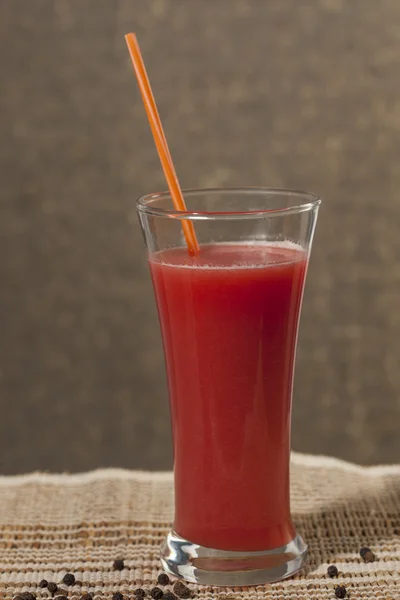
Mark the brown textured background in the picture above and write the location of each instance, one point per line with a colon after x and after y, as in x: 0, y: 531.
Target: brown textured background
x: 288, y: 94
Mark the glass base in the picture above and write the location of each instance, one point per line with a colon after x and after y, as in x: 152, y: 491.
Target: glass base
x: 206, y: 566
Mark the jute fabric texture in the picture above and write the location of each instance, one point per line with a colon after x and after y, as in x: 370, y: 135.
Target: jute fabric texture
x: 54, y: 524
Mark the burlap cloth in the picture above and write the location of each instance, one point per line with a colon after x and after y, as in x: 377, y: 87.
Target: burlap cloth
x: 51, y: 524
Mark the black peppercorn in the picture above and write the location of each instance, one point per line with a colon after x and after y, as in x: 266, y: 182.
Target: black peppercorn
x: 169, y: 596
x: 69, y: 579
x: 118, y: 564
x: 43, y: 583
x: 182, y: 590
x: 340, y: 591
x: 117, y: 596
x: 139, y: 593
x: 333, y: 571
x: 61, y: 598
x: 52, y: 587
x: 17, y: 598
x: 367, y: 555
x: 156, y: 593
x: 28, y: 596
x: 163, y: 579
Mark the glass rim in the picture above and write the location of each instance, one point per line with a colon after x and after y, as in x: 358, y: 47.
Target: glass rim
x: 310, y: 202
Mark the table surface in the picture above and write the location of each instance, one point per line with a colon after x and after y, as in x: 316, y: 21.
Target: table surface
x: 52, y: 524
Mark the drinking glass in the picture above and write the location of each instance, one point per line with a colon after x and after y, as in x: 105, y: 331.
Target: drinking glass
x: 229, y: 320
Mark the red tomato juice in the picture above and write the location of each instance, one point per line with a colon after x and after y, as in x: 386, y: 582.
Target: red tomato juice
x: 229, y: 320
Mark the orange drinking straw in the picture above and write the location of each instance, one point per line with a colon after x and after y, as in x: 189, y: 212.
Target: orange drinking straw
x: 160, y: 140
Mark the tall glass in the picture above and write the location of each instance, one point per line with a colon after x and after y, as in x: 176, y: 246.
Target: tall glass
x: 229, y: 320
